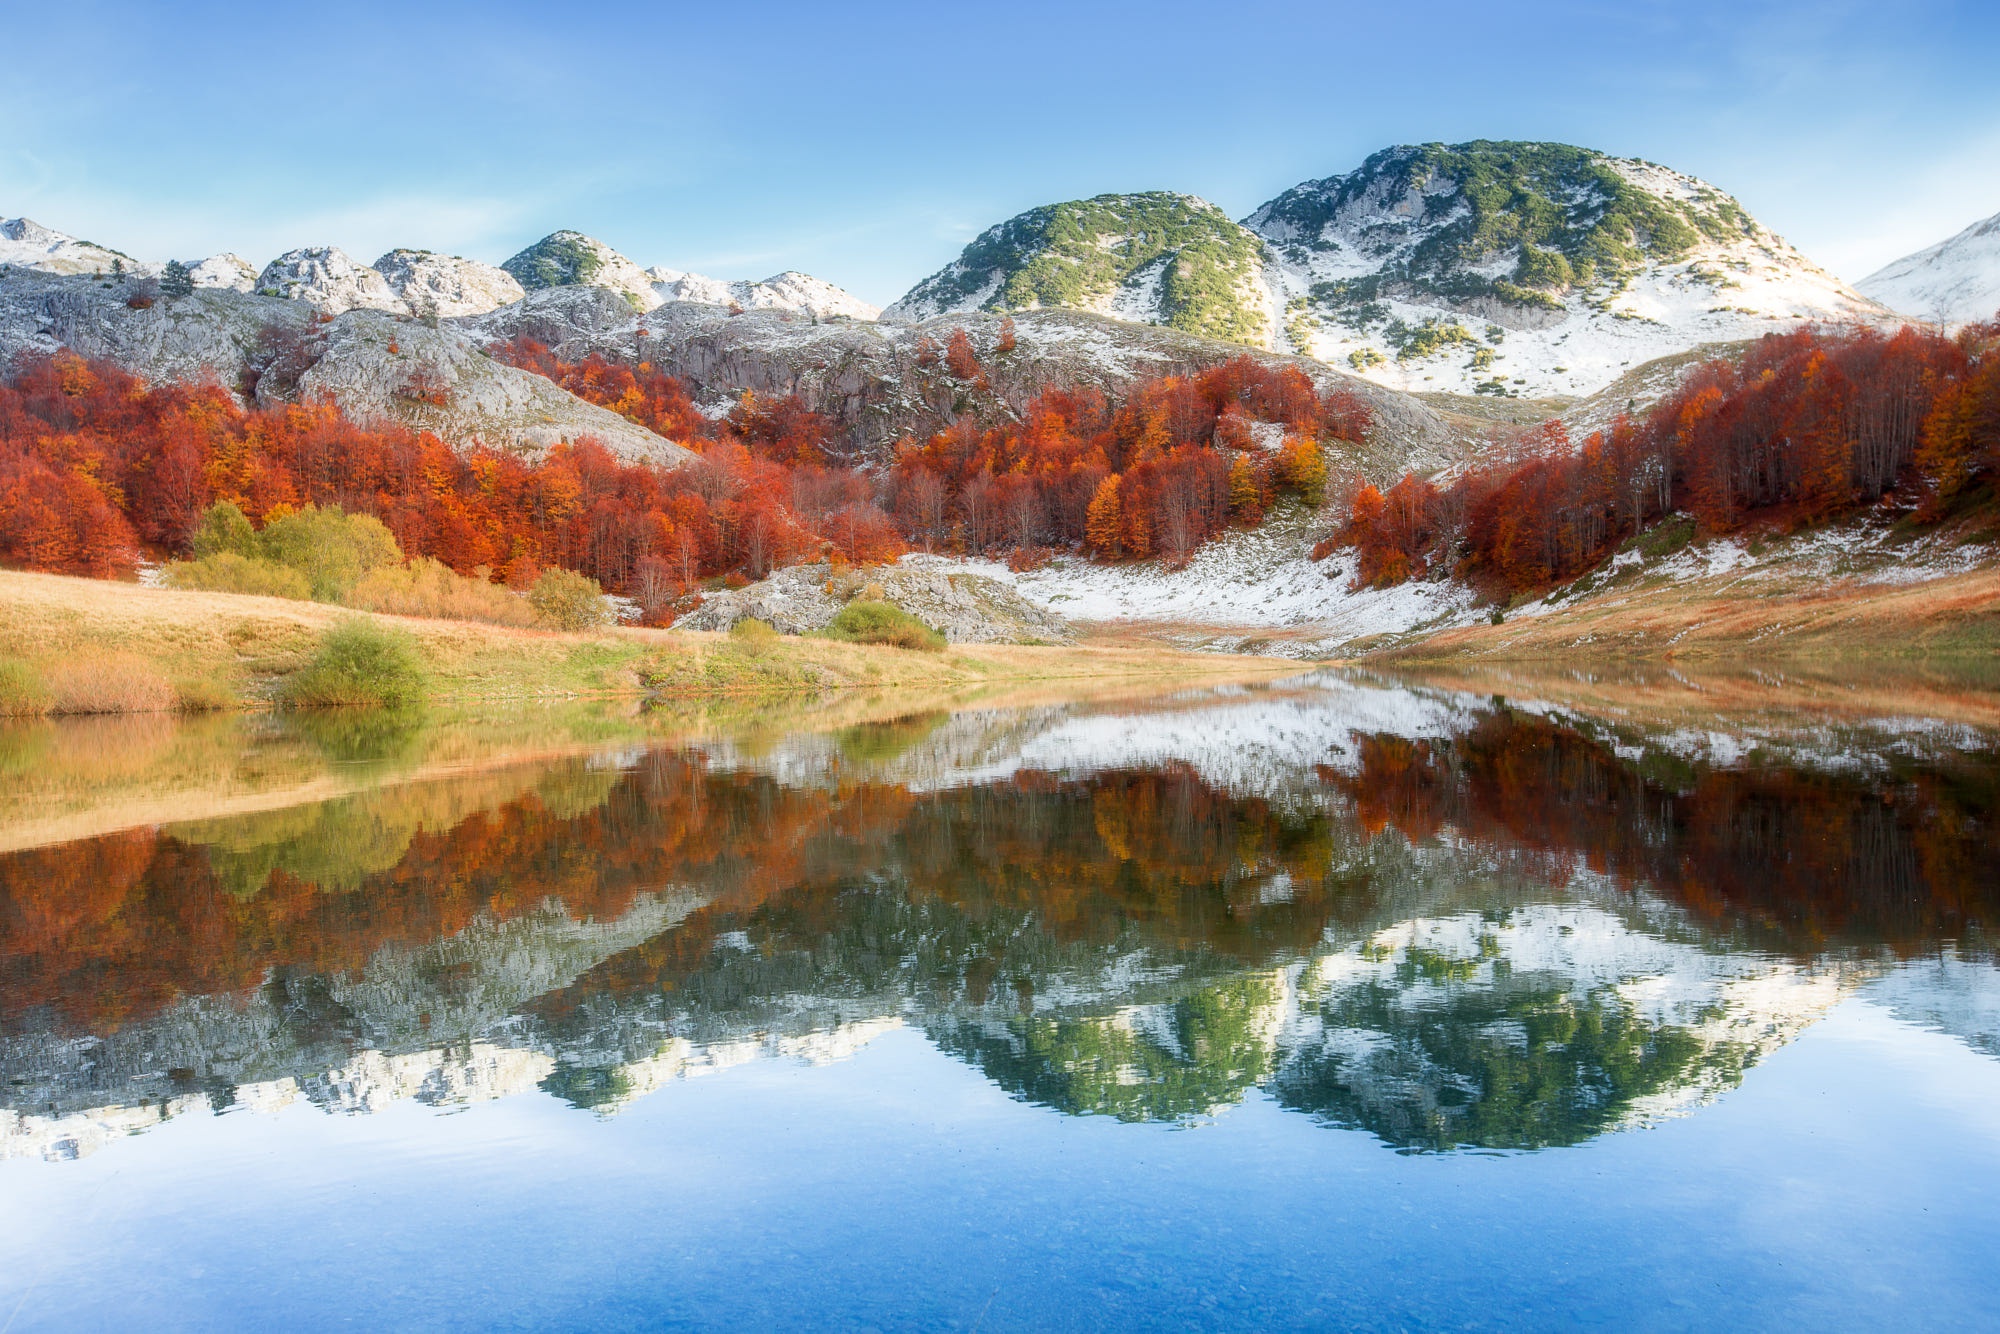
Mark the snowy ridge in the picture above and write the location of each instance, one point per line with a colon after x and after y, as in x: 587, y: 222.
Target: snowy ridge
x: 791, y: 290
x: 1955, y: 281
x: 26, y: 244
x: 1354, y: 255
x: 1394, y: 269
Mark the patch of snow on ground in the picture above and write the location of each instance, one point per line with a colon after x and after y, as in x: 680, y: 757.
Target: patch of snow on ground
x: 1250, y: 580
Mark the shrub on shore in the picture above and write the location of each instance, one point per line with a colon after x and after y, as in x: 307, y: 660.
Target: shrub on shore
x: 566, y: 600
x: 21, y: 691
x: 870, y: 622
x: 753, y: 635
x: 359, y: 663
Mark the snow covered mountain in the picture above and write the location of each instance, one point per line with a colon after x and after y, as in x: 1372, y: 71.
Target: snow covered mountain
x: 328, y: 279
x: 26, y: 244
x: 1507, y: 269
x: 446, y: 285
x: 790, y: 290
x: 571, y: 259
x: 1953, y: 282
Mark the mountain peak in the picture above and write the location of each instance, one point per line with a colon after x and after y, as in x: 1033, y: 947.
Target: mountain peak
x: 1955, y: 281
x: 27, y: 244
x: 1155, y: 257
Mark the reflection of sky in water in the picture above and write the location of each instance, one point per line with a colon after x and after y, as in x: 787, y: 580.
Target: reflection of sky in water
x: 1851, y: 1183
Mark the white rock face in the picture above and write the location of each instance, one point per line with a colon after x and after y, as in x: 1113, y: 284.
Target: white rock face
x: 790, y: 290
x: 25, y: 243
x: 1953, y: 282
x: 674, y: 285
x: 328, y: 279
x: 446, y: 285
x: 230, y: 271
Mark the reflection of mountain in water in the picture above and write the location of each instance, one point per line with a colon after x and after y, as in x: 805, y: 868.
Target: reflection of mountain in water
x: 1446, y: 924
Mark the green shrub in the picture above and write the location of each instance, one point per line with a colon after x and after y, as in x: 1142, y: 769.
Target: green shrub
x: 566, y: 600
x: 224, y: 528
x: 332, y: 549
x: 753, y: 635
x: 359, y: 662
x: 21, y: 689
x: 229, y: 572
x: 864, y: 622
x: 203, y: 694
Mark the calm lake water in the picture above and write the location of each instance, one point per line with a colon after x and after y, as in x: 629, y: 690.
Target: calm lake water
x: 1332, y: 1003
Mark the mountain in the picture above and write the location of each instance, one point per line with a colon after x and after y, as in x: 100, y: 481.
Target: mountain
x: 1953, y: 282
x: 790, y: 290
x: 26, y: 244
x: 442, y: 285
x: 1507, y: 269
x: 571, y: 259
x: 327, y: 279
x: 274, y: 351
x: 1155, y: 258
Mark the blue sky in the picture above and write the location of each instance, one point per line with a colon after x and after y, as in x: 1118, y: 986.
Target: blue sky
x: 867, y: 142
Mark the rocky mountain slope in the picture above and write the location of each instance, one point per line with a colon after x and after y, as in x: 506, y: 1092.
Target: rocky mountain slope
x: 430, y: 284
x: 374, y: 364
x: 868, y: 377
x: 1952, y: 282
x: 1506, y: 269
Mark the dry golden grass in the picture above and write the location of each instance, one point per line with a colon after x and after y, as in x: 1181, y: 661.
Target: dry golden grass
x: 431, y: 589
x: 1734, y: 695
x: 1721, y: 619
x: 206, y: 643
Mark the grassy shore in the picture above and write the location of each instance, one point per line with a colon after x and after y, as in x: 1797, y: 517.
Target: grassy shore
x: 93, y: 646
x: 1723, y: 620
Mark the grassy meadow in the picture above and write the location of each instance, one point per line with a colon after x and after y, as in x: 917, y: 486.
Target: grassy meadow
x: 86, y: 646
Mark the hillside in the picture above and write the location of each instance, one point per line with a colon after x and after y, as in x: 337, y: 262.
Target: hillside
x: 1156, y: 258
x: 866, y: 377
x: 375, y: 365
x: 1952, y: 282
x: 1501, y: 269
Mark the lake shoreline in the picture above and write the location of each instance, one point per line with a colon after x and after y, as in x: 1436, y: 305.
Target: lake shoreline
x: 86, y: 646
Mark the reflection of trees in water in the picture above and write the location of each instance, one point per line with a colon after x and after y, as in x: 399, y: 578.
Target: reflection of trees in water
x: 1524, y: 1063
x: 1805, y: 859
x: 1180, y: 1058
x: 1137, y: 943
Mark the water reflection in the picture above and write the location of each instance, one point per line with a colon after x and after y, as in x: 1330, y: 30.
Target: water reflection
x: 1447, y: 921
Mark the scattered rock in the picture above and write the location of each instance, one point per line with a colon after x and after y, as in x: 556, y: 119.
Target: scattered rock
x: 965, y: 608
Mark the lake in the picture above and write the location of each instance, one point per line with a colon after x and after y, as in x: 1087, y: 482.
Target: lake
x: 1340, y: 1001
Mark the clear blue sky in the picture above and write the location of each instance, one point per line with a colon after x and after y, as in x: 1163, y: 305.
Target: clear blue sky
x: 867, y: 142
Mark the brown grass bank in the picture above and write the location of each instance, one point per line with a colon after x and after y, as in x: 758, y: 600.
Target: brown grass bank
x: 91, y: 646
